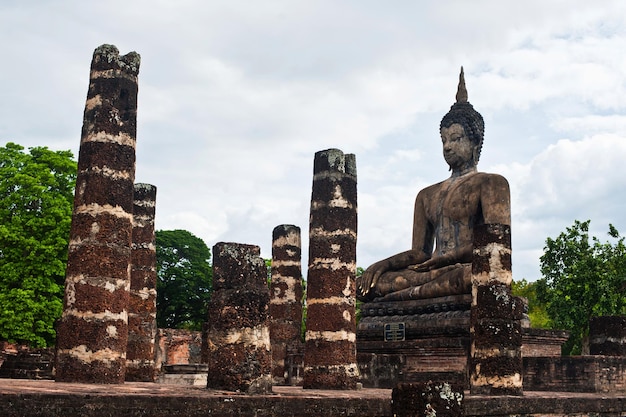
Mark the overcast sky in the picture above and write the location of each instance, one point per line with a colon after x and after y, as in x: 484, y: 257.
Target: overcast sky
x: 235, y: 98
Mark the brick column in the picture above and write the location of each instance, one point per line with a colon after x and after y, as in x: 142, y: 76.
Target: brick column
x: 93, y: 331
x: 330, y: 345
x: 286, y: 297
x: 142, y: 327
x: 607, y: 336
x: 495, y: 322
x: 237, y: 335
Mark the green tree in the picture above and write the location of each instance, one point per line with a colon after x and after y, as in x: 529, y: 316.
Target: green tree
x: 36, y: 198
x: 582, y: 278
x: 537, y: 313
x: 184, y: 279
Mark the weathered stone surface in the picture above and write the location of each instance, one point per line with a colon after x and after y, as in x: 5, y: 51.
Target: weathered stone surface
x: 237, y: 335
x: 427, y: 399
x: 93, y: 331
x: 237, y: 266
x: 21, y: 398
x: 330, y: 345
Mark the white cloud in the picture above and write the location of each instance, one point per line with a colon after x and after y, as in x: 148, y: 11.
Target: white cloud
x: 570, y: 180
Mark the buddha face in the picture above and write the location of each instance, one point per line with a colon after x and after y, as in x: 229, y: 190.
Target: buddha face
x: 458, y: 149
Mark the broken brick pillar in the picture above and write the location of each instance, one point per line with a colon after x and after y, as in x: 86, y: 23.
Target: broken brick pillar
x: 607, y: 336
x: 495, y: 320
x: 237, y: 335
x: 286, y: 297
x: 330, y: 342
x: 142, y: 326
x: 93, y: 330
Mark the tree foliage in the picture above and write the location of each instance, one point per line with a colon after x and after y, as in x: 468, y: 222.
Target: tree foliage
x: 36, y: 198
x: 582, y: 278
x: 537, y: 313
x: 184, y: 279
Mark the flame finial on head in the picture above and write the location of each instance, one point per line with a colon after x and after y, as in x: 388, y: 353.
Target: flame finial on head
x: 463, y: 112
x: 461, y: 92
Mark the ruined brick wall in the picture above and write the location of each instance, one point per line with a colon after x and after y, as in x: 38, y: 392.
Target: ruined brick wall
x: 177, y: 347
x: 542, y: 342
x: 575, y: 374
x: 22, y: 362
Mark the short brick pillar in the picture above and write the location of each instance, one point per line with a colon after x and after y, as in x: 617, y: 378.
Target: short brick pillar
x: 142, y: 326
x: 607, y: 336
x: 286, y: 297
x: 330, y: 342
x: 237, y: 334
x: 93, y: 331
x: 496, y: 366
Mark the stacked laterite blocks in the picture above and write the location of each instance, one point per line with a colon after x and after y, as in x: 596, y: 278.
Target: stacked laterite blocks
x: 237, y: 335
x: 93, y: 331
x: 142, y: 327
x: 286, y: 298
x: 330, y: 345
x: 496, y: 366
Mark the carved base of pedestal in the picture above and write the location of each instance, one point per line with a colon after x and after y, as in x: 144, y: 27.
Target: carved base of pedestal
x: 414, y: 319
x: 421, y: 340
x: 442, y: 358
x: 416, y: 340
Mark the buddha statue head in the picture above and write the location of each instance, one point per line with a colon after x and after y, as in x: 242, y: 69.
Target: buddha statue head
x: 463, y: 113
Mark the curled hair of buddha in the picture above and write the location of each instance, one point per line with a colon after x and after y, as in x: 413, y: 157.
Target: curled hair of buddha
x: 463, y: 113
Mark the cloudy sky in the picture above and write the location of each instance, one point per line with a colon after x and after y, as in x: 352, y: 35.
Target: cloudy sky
x: 235, y: 98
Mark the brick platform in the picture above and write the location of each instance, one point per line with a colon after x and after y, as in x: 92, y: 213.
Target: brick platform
x: 47, y: 398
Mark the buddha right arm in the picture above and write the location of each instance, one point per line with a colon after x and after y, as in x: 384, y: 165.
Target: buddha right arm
x: 369, y: 279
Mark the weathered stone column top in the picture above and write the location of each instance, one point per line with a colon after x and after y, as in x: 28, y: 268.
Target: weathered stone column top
x: 491, y: 260
x: 111, y: 106
x: 234, y: 259
x: 107, y: 57
x: 286, y: 235
x: 145, y: 194
x: 334, y: 160
x: 144, y: 205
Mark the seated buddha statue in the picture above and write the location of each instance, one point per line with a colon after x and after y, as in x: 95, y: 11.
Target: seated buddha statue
x: 445, y: 215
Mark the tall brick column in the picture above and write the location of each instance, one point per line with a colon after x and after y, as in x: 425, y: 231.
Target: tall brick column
x: 93, y: 331
x: 286, y: 297
x: 330, y: 345
x: 142, y: 327
x: 495, y: 322
x: 237, y: 334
